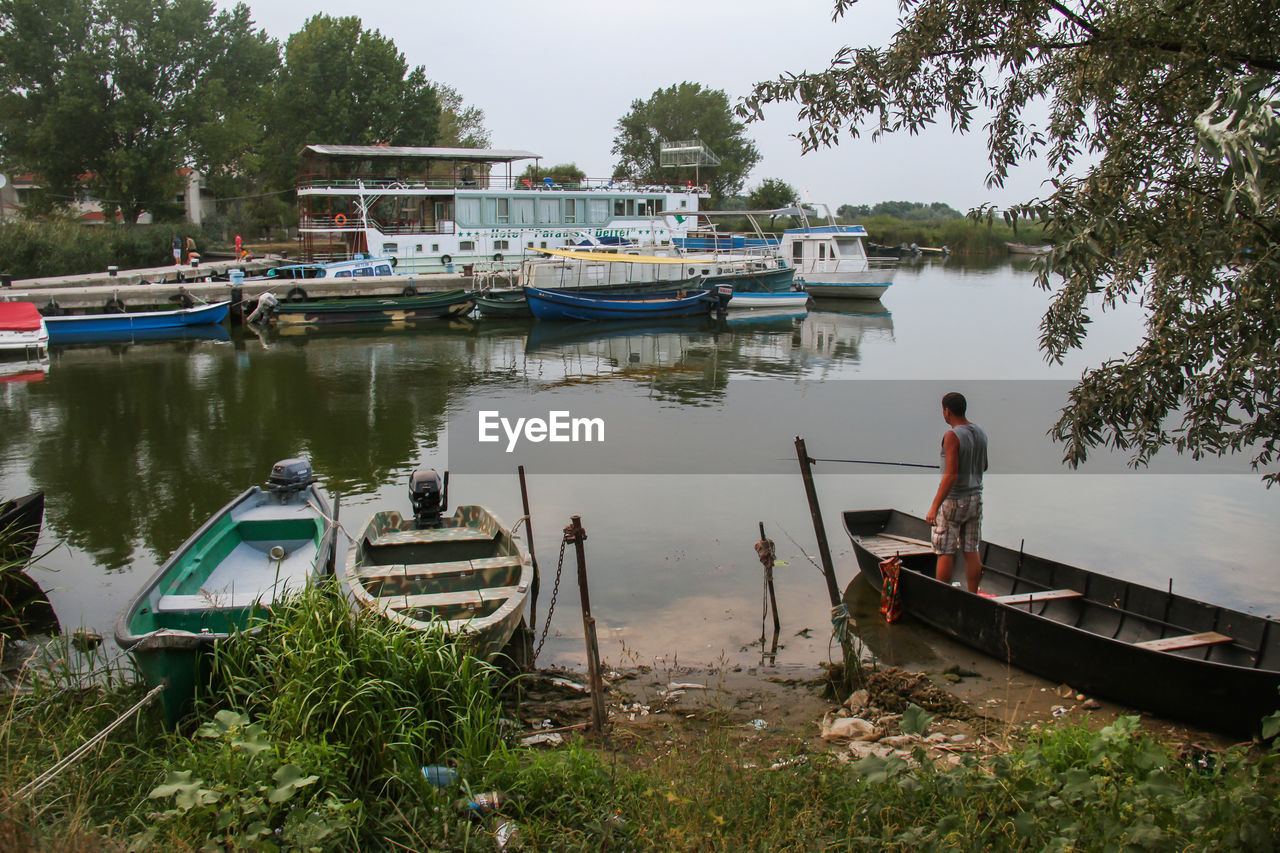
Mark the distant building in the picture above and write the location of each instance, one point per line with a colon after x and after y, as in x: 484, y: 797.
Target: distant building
x: 16, y: 190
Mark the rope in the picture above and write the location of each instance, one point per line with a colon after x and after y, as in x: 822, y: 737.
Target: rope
x: 875, y: 462
x: 49, y: 775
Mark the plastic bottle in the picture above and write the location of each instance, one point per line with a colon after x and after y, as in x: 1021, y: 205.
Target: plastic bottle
x: 441, y: 777
x: 489, y: 801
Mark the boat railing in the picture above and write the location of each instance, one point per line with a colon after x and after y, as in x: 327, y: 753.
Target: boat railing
x: 384, y: 184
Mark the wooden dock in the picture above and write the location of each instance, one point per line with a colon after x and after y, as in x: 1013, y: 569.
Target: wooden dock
x: 163, y: 287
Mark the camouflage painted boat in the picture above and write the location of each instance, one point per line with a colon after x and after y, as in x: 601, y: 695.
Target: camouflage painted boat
x: 465, y: 573
x: 387, y: 309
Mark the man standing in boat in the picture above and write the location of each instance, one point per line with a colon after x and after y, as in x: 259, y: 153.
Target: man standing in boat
x: 956, y: 511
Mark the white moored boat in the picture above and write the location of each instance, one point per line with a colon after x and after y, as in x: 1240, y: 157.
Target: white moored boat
x: 831, y: 261
x: 23, y: 333
x: 436, y: 209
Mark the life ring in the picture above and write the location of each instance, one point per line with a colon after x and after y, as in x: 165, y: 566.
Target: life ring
x: 114, y: 306
x: 409, y: 290
x: 446, y: 259
x: 297, y: 294
x: 498, y: 257
x: 340, y: 220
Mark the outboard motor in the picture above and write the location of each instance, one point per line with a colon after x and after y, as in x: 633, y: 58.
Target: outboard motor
x: 429, y: 497
x: 267, y: 303
x: 290, y: 475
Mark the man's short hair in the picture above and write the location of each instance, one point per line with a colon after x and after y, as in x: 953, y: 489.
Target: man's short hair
x: 955, y: 403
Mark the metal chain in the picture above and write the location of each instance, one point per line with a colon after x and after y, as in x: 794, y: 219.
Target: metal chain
x: 554, y: 592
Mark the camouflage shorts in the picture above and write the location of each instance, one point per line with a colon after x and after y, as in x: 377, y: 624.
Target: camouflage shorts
x: 958, y: 526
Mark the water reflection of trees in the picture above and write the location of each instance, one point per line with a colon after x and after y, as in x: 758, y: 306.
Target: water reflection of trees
x: 142, y: 444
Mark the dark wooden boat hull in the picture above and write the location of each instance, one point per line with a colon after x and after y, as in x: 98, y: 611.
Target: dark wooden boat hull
x: 20, y: 522
x: 1090, y: 641
x: 390, y: 310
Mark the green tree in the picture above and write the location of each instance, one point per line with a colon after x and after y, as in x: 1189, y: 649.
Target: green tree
x: 681, y: 112
x: 108, y: 95
x: 342, y: 84
x: 772, y: 194
x: 1176, y: 206
x: 461, y: 126
x: 853, y: 211
x: 562, y: 173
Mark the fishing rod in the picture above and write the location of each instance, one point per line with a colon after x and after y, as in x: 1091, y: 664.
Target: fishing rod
x: 877, y: 462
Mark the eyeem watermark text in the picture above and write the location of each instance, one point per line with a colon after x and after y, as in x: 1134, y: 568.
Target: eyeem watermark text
x: 559, y: 426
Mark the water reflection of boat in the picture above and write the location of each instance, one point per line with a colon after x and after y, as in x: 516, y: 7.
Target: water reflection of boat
x: 23, y: 371
x: 762, y: 318
x: 548, y: 336
x: 863, y: 307
x: 20, y: 523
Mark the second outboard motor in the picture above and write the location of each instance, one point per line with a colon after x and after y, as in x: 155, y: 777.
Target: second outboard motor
x: 290, y: 475
x: 429, y: 496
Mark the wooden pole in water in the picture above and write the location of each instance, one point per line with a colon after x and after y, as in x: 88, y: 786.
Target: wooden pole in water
x: 577, y: 535
x: 824, y: 551
x: 528, y: 527
x: 773, y: 605
x: 337, y: 531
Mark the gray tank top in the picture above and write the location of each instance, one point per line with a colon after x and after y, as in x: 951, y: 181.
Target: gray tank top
x: 972, y: 453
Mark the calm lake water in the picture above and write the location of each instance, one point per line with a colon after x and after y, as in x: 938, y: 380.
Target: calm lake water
x: 135, y: 444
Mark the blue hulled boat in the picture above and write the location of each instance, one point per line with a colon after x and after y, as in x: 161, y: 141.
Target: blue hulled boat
x: 85, y: 327
x: 559, y: 305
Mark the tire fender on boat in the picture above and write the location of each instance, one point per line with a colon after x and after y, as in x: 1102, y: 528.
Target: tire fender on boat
x: 184, y: 299
x: 446, y: 259
x: 498, y: 257
x: 114, y: 306
x: 409, y: 290
x: 297, y: 294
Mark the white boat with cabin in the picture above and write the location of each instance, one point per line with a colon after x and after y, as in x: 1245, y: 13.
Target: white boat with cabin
x: 438, y: 209
x: 831, y: 260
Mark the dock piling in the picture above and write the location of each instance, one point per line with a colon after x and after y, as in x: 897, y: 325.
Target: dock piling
x: 577, y: 535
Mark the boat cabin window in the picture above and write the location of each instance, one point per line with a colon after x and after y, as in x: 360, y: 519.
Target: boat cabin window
x: 362, y: 271
x: 435, y: 247
x: 467, y: 246
x: 598, y: 211
x: 382, y: 269
x: 571, y: 210
x: 504, y: 211
x: 548, y: 211
x: 522, y: 211
x: 850, y: 247
x: 342, y: 274
x: 822, y: 251
x: 468, y: 211
x: 501, y: 244
x: 390, y: 248
x: 797, y: 250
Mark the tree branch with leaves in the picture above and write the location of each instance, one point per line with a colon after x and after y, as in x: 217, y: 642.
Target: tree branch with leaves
x: 1161, y: 142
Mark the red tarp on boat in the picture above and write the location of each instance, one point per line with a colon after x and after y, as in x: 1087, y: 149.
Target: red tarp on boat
x: 19, y: 317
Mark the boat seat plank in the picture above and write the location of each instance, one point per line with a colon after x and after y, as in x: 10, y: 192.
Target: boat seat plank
x: 213, y: 601
x: 442, y: 534
x: 884, y: 545
x: 445, y: 599
x: 1042, y: 595
x: 1184, y: 641
x: 431, y: 570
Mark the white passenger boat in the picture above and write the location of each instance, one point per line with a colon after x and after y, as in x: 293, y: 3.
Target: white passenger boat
x: 831, y: 261
x: 439, y: 209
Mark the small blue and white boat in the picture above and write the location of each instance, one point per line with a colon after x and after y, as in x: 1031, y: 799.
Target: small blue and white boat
x: 559, y: 305
x: 362, y: 266
x: 795, y: 300
x: 85, y: 327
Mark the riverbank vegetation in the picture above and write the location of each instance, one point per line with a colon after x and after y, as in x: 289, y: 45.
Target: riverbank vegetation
x: 318, y: 727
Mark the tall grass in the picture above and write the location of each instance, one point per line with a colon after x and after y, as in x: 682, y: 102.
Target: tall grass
x: 35, y: 249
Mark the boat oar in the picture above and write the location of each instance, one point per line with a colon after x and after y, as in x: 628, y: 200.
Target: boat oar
x: 528, y: 529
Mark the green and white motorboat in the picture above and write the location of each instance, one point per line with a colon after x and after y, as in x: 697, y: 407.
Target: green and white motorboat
x: 271, y: 540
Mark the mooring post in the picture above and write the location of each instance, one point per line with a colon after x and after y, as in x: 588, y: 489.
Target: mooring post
x: 838, y: 613
x: 333, y: 551
x: 577, y: 535
x: 773, y: 597
x: 824, y: 551
x: 528, y: 529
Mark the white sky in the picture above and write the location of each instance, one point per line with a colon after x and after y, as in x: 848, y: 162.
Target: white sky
x: 555, y: 77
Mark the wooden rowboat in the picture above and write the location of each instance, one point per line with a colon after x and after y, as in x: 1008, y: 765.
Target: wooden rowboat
x: 388, y: 309
x: 269, y: 541
x: 468, y: 576
x: 566, y: 305
x: 1150, y: 649
x: 20, y: 523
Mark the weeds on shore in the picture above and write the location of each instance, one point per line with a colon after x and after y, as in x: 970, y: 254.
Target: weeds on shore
x: 323, y: 720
